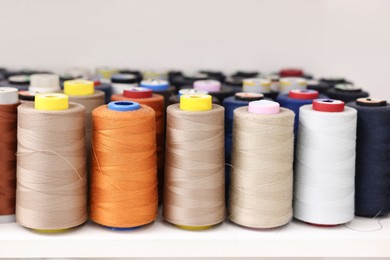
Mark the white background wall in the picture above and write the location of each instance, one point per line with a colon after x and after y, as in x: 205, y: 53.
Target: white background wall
x: 326, y: 37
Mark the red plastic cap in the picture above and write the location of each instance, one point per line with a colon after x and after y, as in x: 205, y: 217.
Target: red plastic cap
x: 96, y: 82
x: 303, y: 94
x: 291, y: 73
x: 328, y: 105
x: 137, y: 92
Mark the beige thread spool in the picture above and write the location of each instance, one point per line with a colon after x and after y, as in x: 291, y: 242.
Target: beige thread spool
x: 194, y: 186
x: 51, y: 190
x: 262, y: 162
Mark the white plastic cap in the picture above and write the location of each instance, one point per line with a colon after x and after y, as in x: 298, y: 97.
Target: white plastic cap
x: 43, y: 83
x: 8, y: 95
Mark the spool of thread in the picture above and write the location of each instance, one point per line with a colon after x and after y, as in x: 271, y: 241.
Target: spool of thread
x: 79, y: 72
x: 136, y: 73
x: 291, y: 72
x: 187, y: 79
x: 21, y: 82
x: 214, y: 88
x: 262, y: 176
x: 83, y: 92
x: 121, y: 81
x: 8, y: 122
x: 26, y: 96
x: 44, y: 83
x: 194, y: 186
x: 105, y: 73
x: 320, y: 86
x: 155, y: 75
x: 189, y: 91
x: 173, y: 74
x: 287, y: 84
x: 145, y: 96
x: 246, y: 74
x: 333, y: 81
x: 235, y: 83
x: 346, y: 92
x: 297, y: 98
x: 230, y: 104
x: 325, y: 163
x: 160, y: 87
x: 51, y: 190
x: 372, y: 182
x: 259, y: 85
x: 124, y: 166
x: 106, y: 88
x: 214, y: 74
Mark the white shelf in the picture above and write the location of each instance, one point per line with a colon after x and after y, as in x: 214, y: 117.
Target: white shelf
x: 226, y: 240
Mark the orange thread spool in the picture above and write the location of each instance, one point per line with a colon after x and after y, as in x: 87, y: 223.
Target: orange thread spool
x: 123, y: 174
x: 145, y: 96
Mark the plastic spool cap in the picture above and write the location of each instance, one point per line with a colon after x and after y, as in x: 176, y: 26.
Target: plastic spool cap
x: 248, y: 96
x: 123, y: 106
x: 19, y: 80
x: 51, y: 101
x: 258, y: 85
x: 26, y: 95
x: 208, y: 85
x: 124, y: 79
x: 186, y: 91
x: 291, y: 72
x: 371, y: 102
x: 44, y: 83
x: 303, y: 94
x: 79, y: 87
x: 264, y: 107
x: 197, y: 102
x: 155, y: 84
x: 290, y: 83
x: 328, y: 105
x: 8, y: 96
x: 345, y: 87
x: 106, y: 72
x: 137, y: 92
x: 195, y: 76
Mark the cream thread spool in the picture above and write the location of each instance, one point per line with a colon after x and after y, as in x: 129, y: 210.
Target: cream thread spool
x: 83, y: 92
x: 9, y: 96
x: 51, y: 164
x: 44, y: 83
x: 262, y: 161
x: 290, y: 83
x: 325, y: 163
x: 194, y: 192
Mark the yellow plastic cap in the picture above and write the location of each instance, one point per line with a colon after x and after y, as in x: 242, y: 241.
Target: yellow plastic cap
x: 51, y: 101
x: 196, y: 102
x: 79, y: 87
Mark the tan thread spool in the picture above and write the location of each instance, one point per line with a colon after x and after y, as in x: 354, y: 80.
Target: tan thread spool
x: 194, y: 185
x: 51, y: 164
x: 262, y: 173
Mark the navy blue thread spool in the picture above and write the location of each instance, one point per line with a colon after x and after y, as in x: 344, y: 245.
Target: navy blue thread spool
x: 259, y: 85
x: 320, y: 86
x: 214, y: 74
x: 106, y: 88
x: 295, y: 99
x: 240, y: 99
x: 346, y: 92
x: 161, y: 87
x: 185, y: 91
x: 136, y: 73
x: 244, y: 74
x: 333, y: 81
x: 372, y: 181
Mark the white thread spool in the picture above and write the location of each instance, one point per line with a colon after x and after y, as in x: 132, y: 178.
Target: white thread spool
x: 256, y: 85
x: 290, y: 83
x: 325, y: 163
x: 44, y: 83
x: 120, y: 82
x: 262, y: 162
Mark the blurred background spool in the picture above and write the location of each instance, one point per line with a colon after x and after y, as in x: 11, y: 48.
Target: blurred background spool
x: 83, y: 92
x: 124, y: 165
x: 194, y: 186
x: 333, y: 81
x: 105, y: 87
x: 155, y: 75
x: 259, y: 85
x: 214, y: 74
x: 8, y: 123
x: 325, y: 163
x: 121, y: 81
x: 372, y: 196
x: 346, y: 92
x: 136, y: 73
x: 297, y: 98
x: 145, y: 96
x: 160, y: 87
x: 320, y: 86
x: 179, y: 80
x: 44, y: 83
x: 287, y: 84
x: 246, y: 74
x: 21, y: 82
x: 104, y: 73
x: 294, y: 73
x: 214, y: 88
x: 175, y: 99
x: 51, y: 164
x: 262, y: 159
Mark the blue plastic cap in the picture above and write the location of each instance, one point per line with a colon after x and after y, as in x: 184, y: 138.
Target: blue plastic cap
x: 155, y: 85
x: 123, y: 106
